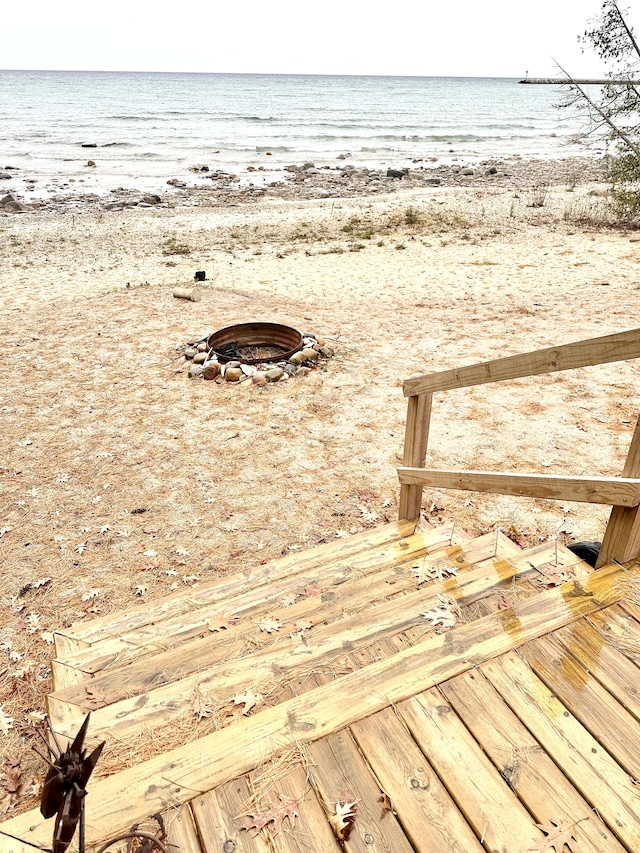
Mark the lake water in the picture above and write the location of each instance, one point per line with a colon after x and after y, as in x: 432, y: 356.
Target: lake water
x: 149, y: 127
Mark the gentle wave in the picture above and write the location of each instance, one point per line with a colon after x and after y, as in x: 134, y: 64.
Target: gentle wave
x: 153, y: 124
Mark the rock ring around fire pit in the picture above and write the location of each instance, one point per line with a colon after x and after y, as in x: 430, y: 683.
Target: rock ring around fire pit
x: 264, y: 352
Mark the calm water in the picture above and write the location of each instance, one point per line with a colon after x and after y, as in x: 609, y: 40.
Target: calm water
x: 149, y: 127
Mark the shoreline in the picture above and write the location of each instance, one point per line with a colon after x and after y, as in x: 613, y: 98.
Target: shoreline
x: 199, y: 185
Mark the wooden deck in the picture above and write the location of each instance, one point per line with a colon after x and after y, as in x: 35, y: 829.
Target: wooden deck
x: 510, y: 726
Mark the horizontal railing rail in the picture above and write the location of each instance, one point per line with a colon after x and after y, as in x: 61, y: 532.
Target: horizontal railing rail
x: 622, y: 537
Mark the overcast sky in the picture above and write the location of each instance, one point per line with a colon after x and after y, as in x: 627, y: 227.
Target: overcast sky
x: 496, y: 38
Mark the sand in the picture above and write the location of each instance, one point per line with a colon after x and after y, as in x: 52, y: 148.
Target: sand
x: 121, y: 479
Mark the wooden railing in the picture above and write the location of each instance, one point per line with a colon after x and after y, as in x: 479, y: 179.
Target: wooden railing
x: 622, y: 537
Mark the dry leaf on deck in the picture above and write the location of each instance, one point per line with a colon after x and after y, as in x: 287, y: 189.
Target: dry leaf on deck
x: 557, y: 837
x: 442, y: 616
x: 345, y: 815
x: 249, y: 699
x: 95, y: 698
x: 385, y: 802
x: 425, y: 571
x: 548, y: 577
x: 275, y: 814
x: 269, y: 625
x: 200, y: 704
x: 221, y: 621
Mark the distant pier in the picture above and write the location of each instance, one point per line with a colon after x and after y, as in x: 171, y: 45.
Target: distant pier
x: 554, y: 81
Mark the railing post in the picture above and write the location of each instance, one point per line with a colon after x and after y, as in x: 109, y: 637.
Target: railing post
x: 622, y: 537
x: 415, y: 451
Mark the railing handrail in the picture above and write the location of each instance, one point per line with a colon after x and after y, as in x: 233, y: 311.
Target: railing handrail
x: 622, y: 537
x: 619, y: 347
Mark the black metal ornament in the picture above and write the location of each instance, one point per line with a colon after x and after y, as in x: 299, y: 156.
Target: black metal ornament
x: 65, y: 786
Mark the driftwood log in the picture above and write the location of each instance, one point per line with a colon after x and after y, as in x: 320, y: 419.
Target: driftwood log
x: 191, y: 293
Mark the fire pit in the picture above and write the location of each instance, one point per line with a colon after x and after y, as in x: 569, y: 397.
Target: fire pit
x: 262, y: 352
x: 255, y: 343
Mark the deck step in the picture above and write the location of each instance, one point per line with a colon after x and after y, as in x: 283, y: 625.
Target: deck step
x: 242, y: 598
x: 290, y: 599
x: 201, y: 765
x: 85, y: 633
x: 158, y: 690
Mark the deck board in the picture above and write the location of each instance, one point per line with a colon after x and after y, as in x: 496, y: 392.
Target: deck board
x: 430, y: 818
x: 523, y: 763
x: 338, y: 765
x: 482, y: 795
x: 594, y: 773
x: 589, y: 702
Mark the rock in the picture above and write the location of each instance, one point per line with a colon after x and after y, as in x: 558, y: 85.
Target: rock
x: 189, y: 353
x: 211, y: 370
x: 291, y: 369
x: 7, y: 198
x: 200, y: 358
x: 248, y: 369
x: 491, y: 171
x: 195, y: 370
x: 91, y: 163
x: 89, y: 145
x: 174, y: 182
x: 303, y: 371
x: 203, y: 346
x: 396, y: 173
x: 297, y: 358
x: 306, y: 166
x: 259, y: 379
x: 309, y: 354
x: 433, y: 182
x: 326, y: 352
x: 233, y: 364
x: 5, y: 176
x: 323, y: 193
x: 320, y: 341
x: 274, y: 374
x: 15, y: 207
x: 467, y: 172
x: 233, y: 374
x: 151, y: 198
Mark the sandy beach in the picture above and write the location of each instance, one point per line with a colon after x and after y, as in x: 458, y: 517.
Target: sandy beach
x: 121, y: 479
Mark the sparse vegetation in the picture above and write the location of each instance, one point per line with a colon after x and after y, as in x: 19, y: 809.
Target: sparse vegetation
x: 172, y: 246
x: 538, y: 195
x: 412, y: 216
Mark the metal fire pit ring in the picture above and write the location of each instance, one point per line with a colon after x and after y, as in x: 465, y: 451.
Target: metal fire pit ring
x: 256, y: 335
